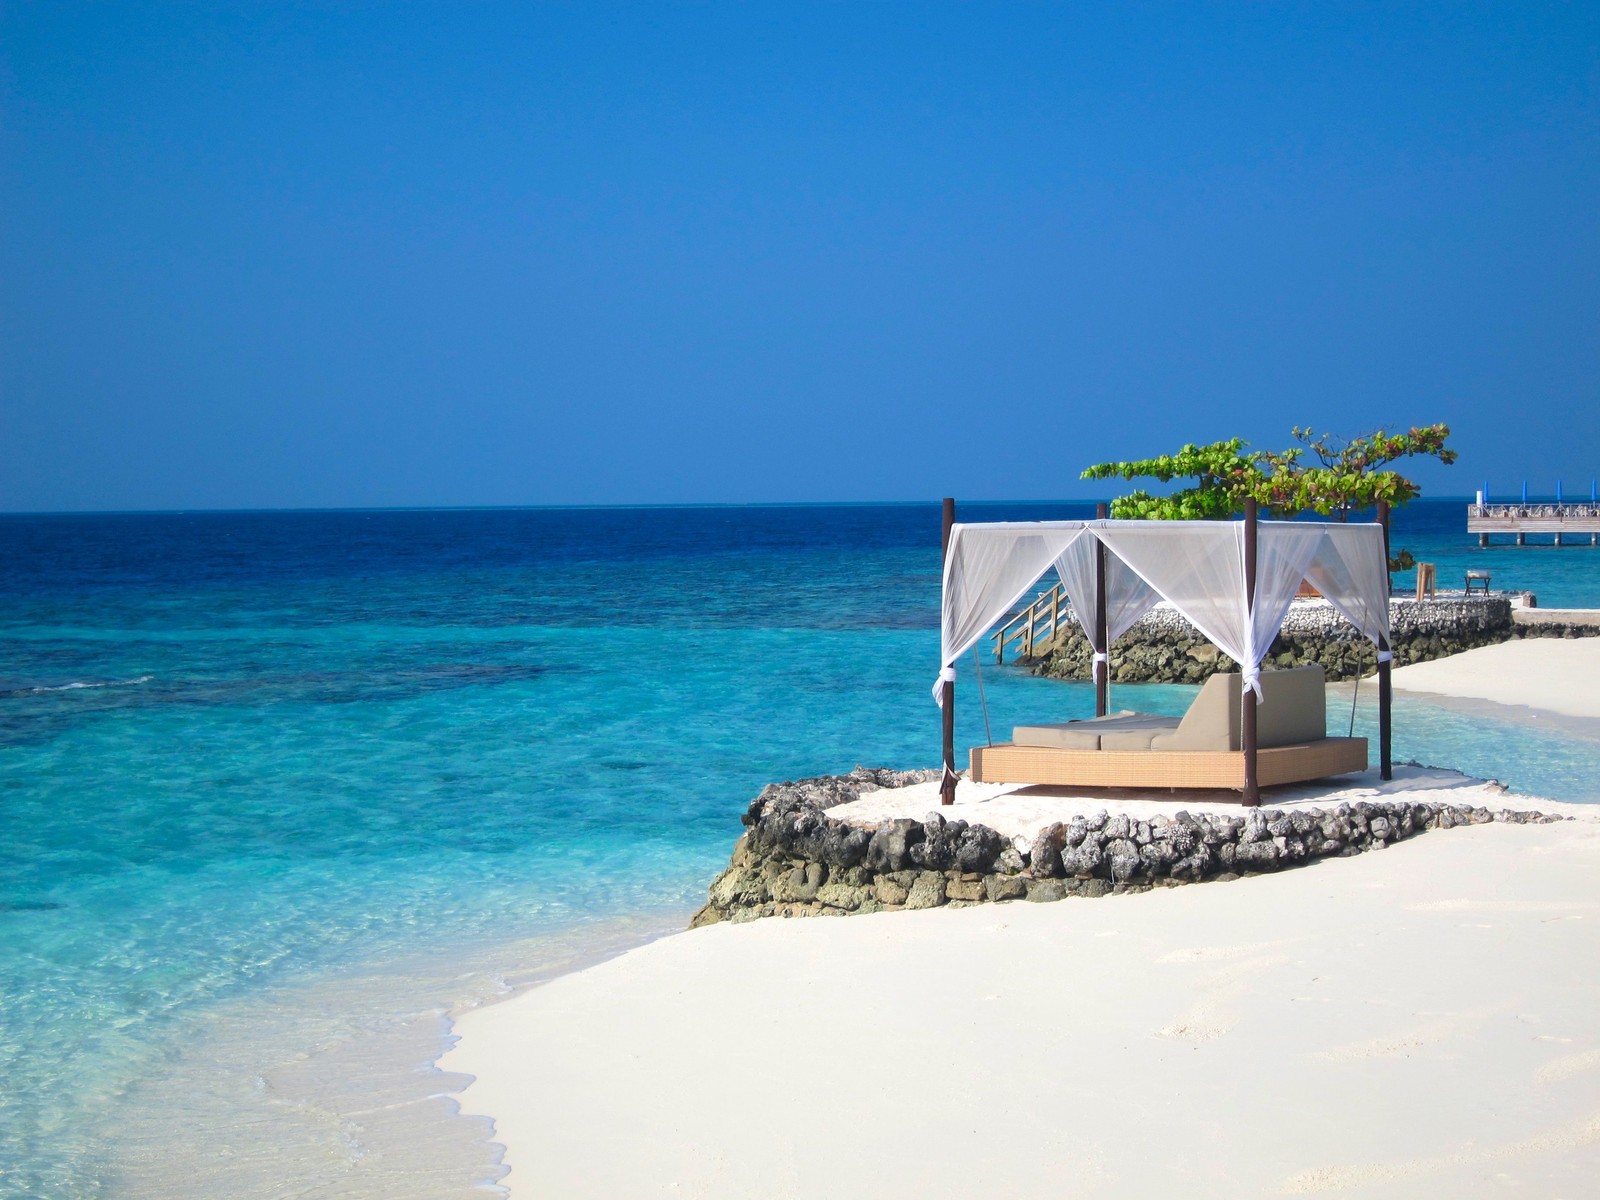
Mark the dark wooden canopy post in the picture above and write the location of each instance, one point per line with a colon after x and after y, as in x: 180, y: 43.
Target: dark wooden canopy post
x: 947, y: 785
x: 1252, y: 790
x: 1102, y: 626
x: 1385, y: 687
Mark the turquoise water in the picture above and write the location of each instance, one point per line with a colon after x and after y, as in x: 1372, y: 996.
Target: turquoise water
x: 282, y: 789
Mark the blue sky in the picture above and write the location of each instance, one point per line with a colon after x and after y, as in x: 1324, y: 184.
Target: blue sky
x: 327, y: 255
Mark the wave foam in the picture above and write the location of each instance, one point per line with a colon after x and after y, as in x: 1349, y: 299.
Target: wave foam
x: 77, y: 686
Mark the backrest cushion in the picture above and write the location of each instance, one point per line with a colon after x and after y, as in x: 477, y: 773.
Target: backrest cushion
x: 1293, y: 711
x: 1295, y: 707
x: 1212, y: 722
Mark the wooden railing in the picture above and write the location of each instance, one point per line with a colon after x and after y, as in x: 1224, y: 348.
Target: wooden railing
x: 1566, y: 510
x: 1033, y: 627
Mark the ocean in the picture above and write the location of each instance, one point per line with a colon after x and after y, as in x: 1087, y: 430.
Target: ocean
x: 280, y: 790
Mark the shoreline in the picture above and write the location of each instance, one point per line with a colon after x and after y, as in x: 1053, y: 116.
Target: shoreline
x: 339, y: 1076
x: 1542, y: 675
x: 1440, y: 987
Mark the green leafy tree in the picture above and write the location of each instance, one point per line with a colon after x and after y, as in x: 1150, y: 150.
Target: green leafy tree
x: 1348, y: 474
x: 1224, y: 475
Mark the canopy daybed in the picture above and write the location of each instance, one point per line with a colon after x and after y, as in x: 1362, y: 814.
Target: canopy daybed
x: 1234, y: 581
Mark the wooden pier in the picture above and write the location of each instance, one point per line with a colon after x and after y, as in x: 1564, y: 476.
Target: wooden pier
x: 1561, y: 521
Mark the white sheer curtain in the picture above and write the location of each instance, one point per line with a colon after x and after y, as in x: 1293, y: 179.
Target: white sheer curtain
x: 1350, y: 572
x: 987, y: 570
x: 1199, y: 567
x: 1196, y: 565
x: 1127, y: 596
x: 1284, y: 550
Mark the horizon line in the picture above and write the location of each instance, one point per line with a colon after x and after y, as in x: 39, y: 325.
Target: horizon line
x: 621, y: 507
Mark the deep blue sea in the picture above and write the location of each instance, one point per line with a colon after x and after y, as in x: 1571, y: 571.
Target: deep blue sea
x: 280, y: 790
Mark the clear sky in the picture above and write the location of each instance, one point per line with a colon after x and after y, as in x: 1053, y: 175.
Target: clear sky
x: 387, y: 254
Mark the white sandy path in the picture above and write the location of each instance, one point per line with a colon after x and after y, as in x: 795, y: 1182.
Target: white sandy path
x: 1558, y: 675
x: 1019, y: 811
x: 1420, y: 1021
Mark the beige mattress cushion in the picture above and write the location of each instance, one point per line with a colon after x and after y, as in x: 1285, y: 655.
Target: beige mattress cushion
x: 1068, y: 735
x: 1123, y: 730
x: 1134, y: 732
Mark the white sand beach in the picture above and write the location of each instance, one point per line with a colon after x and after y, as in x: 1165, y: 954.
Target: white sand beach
x: 1420, y: 1020
x: 1018, y: 811
x: 1558, y: 675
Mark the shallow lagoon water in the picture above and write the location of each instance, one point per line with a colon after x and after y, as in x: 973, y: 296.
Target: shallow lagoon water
x: 277, y: 791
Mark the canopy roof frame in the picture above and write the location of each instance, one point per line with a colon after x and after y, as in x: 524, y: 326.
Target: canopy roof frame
x: 1232, y: 580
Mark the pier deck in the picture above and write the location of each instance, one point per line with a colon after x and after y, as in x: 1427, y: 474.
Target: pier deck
x: 1560, y: 521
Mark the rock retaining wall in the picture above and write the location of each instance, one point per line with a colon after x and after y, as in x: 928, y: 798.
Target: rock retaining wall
x: 1164, y: 648
x: 794, y: 860
x: 1555, y: 629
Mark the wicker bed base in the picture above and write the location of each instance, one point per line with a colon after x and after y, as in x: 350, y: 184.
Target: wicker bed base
x: 1009, y: 763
